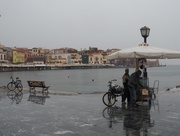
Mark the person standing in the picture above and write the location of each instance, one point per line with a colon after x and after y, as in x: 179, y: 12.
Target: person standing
x: 126, y: 94
x: 134, y: 85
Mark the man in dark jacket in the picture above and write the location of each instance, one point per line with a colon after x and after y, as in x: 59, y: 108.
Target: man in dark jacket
x: 134, y: 84
x: 126, y: 94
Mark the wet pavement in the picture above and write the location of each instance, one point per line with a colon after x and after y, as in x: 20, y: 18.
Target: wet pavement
x: 86, y: 115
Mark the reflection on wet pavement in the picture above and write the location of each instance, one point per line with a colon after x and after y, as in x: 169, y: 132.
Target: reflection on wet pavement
x: 38, y: 99
x: 15, y: 96
x: 136, y: 121
x: 86, y: 115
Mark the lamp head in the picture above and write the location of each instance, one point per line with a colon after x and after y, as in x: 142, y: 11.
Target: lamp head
x: 145, y: 31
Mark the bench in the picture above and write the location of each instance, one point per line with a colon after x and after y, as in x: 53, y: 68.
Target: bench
x: 40, y: 84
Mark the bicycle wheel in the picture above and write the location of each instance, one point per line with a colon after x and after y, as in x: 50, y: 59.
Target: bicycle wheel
x: 11, y: 86
x: 109, y: 99
x: 19, y: 86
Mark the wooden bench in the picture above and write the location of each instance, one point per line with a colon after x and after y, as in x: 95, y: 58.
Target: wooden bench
x: 40, y: 84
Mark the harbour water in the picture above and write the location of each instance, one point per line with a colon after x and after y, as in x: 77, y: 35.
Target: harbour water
x: 92, y: 80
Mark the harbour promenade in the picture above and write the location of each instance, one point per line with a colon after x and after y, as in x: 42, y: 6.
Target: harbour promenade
x: 86, y: 115
x: 30, y: 67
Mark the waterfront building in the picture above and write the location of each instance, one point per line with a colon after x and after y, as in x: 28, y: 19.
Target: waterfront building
x: 76, y: 58
x: 2, y: 55
x: 85, y: 59
x: 58, y: 59
x: 63, y: 50
x: 105, y: 58
x: 36, y: 59
x: 96, y: 58
x: 18, y: 57
x: 36, y: 52
x: 25, y: 51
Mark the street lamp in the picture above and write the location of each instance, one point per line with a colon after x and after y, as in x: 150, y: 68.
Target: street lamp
x: 145, y: 32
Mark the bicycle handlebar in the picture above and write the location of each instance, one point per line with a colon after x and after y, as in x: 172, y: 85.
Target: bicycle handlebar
x: 17, y: 78
x: 112, y: 80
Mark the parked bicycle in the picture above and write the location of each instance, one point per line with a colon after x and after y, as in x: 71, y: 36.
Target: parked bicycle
x: 109, y: 98
x: 15, y: 84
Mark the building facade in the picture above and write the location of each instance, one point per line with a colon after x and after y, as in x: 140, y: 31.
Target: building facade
x: 18, y: 57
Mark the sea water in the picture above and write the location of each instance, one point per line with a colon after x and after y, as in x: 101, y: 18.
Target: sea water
x: 92, y: 80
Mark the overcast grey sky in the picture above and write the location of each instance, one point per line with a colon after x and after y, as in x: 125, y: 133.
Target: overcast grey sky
x: 82, y: 23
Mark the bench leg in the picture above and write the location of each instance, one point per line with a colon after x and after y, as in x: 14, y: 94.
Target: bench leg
x: 45, y: 91
x: 32, y: 90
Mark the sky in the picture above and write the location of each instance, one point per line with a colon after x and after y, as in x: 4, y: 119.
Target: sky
x: 81, y: 24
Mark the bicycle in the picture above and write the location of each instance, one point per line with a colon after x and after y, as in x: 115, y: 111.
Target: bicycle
x: 15, y: 84
x: 109, y: 98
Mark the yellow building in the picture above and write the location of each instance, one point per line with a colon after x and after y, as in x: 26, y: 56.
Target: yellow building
x: 105, y: 59
x: 76, y: 58
x: 18, y: 57
x: 96, y: 58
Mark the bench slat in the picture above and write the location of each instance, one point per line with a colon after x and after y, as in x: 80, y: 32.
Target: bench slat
x: 36, y: 84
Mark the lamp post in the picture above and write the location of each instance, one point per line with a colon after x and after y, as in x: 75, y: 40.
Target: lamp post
x: 145, y: 32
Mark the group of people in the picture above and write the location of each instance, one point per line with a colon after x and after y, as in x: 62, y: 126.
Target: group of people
x: 131, y: 85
